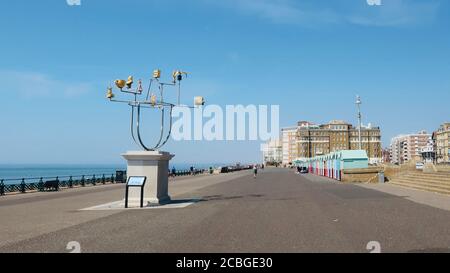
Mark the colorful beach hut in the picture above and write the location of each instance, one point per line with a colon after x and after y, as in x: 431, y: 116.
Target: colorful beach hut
x: 332, y: 165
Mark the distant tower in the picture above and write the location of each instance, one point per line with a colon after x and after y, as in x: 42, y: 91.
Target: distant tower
x: 358, y: 105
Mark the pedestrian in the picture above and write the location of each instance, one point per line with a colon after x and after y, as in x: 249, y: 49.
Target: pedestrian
x: 174, y: 172
x: 255, y: 171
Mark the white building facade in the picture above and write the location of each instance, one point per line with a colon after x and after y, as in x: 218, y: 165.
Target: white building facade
x: 272, y: 152
x: 428, y: 153
x: 408, y: 148
x: 289, y: 144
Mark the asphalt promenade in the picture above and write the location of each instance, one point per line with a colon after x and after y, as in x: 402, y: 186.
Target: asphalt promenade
x: 279, y: 211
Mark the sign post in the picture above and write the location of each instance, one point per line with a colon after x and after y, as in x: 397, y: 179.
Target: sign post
x: 135, y: 181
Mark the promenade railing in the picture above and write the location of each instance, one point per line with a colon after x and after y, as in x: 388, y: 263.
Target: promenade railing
x: 23, y: 185
x: 187, y: 172
x: 33, y: 184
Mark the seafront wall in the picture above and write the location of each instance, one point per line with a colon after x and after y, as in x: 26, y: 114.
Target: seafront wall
x: 366, y: 175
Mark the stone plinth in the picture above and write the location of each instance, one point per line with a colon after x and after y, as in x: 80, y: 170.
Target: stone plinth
x: 154, y: 165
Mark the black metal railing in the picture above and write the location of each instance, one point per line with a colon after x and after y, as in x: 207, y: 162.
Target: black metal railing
x: 23, y: 185
x: 186, y: 172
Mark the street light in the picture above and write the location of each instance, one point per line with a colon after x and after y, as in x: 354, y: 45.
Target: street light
x: 358, y: 105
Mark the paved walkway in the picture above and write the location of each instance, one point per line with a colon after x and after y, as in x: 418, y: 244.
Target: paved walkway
x: 25, y: 216
x: 437, y: 200
x: 277, y: 212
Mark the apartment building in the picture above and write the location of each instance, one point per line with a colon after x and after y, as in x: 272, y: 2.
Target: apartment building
x: 428, y: 153
x: 289, y: 145
x: 386, y: 154
x: 314, y: 140
x: 272, y: 152
x: 442, y: 143
x: 408, y: 148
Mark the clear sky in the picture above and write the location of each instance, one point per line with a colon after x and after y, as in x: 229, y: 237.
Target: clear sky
x: 311, y: 57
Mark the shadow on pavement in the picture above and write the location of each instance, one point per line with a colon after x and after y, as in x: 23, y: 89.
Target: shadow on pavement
x: 223, y: 198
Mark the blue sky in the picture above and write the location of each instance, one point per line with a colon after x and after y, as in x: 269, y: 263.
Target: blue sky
x: 309, y: 57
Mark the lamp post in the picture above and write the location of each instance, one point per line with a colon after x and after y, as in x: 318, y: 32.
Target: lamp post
x: 150, y: 162
x: 358, y: 105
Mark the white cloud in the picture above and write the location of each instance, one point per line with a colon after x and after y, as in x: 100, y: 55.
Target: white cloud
x: 35, y: 84
x: 282, y: 11
x: 397, y: 13
x: 312, y: 13
x: 278, y: 11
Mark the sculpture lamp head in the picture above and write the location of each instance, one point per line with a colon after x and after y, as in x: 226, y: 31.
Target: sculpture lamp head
x: 199, y: 101
x: 109, y: 93
x: 140, y: 88
x: 120, y: 84
x: 157, y: 74
x: 153, y: 100
x: 177, y: 75
x: 130, y: 82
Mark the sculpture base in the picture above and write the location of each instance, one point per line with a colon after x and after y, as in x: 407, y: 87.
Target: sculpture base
x: 155, y: 166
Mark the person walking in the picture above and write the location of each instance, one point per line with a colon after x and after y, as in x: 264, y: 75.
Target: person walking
x: 255, y: 171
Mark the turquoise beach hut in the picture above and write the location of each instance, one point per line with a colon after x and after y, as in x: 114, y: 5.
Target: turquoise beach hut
x: 354, y: 159
x: 332, y: 165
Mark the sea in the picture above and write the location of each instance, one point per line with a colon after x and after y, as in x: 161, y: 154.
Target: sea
x: 13, y: 173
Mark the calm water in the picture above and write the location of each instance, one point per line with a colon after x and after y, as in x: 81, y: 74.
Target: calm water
x: 37, y: 171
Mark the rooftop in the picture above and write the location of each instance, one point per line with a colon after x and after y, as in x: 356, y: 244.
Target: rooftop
x: 339, y: 122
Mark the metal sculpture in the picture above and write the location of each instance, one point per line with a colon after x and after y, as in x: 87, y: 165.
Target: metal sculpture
x: 152, y: 101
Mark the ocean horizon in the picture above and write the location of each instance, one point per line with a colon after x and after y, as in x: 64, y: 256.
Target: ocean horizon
x: 36, y: 171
